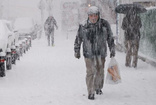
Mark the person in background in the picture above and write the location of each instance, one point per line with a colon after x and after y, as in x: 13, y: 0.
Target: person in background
x: 131, y: 24
x: 49, y: 29
x: 95, y: 33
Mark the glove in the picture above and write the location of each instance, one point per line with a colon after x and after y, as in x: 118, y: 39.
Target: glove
x: 77, y: 55
x: 112, y: 54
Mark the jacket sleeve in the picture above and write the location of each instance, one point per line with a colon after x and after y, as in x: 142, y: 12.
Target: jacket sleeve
x: 55, y: 23
x: 124, y: 23
x: 46, y: 24
x: 110, y: 39
x: 78, y: 40
x: 140, y: 24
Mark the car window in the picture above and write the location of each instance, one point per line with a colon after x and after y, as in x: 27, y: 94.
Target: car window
x: 9, y: 27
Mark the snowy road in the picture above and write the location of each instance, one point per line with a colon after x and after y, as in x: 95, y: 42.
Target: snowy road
x: 52, y: 76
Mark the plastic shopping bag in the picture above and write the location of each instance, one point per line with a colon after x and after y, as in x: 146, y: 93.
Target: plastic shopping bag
x: 113, y: 72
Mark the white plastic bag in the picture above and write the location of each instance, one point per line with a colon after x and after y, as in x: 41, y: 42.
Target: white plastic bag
x: 113, y: 72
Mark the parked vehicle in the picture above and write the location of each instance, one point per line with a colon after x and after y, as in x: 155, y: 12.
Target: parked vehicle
x: 2, y: 65
x: 11, y: 48
x: 8, y: 36
x: 25, y: 27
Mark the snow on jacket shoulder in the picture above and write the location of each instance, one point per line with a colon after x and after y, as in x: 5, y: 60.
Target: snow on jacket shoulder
x: 49, y: 25
x: 95, y: 38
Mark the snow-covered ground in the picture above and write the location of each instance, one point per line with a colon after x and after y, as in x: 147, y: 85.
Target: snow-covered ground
x: 48, y: 75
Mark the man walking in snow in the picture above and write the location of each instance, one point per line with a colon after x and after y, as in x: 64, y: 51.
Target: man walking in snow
x: 94, y: 33
x: 131, y: 24
x: 49, y: 29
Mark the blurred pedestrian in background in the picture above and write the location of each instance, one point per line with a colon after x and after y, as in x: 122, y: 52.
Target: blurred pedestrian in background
x: 131, y: 24
x: 49, y: 29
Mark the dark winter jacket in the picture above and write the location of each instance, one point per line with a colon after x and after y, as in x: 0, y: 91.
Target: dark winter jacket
x: 49, y: 24
x: 131, y: 27
x: 94, y: 38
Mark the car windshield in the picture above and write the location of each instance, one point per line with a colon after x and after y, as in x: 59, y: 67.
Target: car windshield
x: 9, y: 27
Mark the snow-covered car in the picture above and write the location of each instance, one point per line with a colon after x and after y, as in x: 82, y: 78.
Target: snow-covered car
x: 8, y: 36
x: 25, y: 27
x: 15, y: 35
x: 23, y: 45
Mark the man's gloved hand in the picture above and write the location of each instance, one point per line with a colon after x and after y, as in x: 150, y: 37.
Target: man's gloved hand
x: 77, y: 55
x: 112, y: 53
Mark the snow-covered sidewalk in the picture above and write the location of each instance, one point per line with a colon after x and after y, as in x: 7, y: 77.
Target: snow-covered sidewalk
x: 48, y: 75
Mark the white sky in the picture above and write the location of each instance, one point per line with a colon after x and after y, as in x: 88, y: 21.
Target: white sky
x: 29, y: 8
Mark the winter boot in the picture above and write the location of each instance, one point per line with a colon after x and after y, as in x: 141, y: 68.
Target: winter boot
x: 91, y: 97
x: 99, y: 92
x: 127, y: 65
x: 134, y: 65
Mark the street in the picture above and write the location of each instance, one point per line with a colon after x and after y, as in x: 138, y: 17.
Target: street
x: 48, y: 75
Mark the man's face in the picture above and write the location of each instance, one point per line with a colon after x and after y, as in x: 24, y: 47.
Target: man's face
x: 93, y: 18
